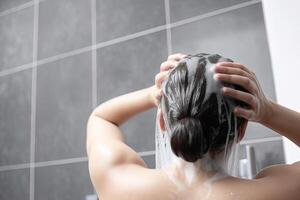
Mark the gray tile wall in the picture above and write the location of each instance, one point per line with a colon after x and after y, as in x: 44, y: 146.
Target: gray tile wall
x: 15, y: 90
x: 16, y: 38
x: 63, y: 105
x: 117, y: 18
x: 64, y: 26
x: 180, y: 10
x: 70, y: 181
x: 60, y: 58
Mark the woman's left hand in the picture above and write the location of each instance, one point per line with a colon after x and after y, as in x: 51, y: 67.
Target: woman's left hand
x: 235, y: 73
x: 156, y: 91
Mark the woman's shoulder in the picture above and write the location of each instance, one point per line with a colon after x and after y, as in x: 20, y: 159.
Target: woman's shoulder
x: 280, y: 170
x: 276, y: 182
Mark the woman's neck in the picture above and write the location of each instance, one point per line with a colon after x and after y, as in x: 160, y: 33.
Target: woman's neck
x: 200, y: 171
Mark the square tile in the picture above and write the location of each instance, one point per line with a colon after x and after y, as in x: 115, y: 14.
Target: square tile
x: 150, y: 161
x: 139, y: 131
x: 14, y: 184
x: 67, y: 182
x: 116, y: 18
x: 16, y: 38
x: 239, y: 35
x: 64, y: 103
x: 266, y: 153
x: 180, y: 10
x: 15, y: 109
x: 64, y: 25
x: 255, y: 130
x: 129, y: 66
x: 9, y: 4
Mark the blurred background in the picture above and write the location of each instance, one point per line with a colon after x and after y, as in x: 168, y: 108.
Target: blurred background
x: 59, y: 59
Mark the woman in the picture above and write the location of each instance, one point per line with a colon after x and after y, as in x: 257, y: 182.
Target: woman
x: 117, y: 171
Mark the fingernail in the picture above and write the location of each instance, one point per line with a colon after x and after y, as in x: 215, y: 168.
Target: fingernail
x: 216, y: 76
x: 217, y: 68
x: 223, y: 90
x: 219, y: 64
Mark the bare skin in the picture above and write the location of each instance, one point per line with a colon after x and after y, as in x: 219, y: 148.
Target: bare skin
x: 118, y: 172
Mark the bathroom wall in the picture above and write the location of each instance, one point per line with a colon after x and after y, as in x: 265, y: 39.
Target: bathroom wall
x: 59, y: 59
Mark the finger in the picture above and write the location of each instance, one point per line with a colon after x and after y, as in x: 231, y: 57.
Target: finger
x: 240, y: 95
x: 176, y: 57
x: 158, y: 94
x: 167, y: 65
x: 159, y: 78
x: 231, y: 70
x: 245, y: 113
x: 243, y: 81
x: 235, y: 65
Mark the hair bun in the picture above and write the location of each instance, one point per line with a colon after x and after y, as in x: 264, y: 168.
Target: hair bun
x: 188, y: 140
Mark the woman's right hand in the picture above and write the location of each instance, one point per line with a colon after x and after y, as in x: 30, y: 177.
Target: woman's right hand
x: 165, y: 67
x: 235, y: 73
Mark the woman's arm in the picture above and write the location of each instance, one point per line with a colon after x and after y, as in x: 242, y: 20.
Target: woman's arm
x: 103, y: 125
x: 119, y: 109
x: 106, y: 148
x: 284, y: 121
x: 105, y: 144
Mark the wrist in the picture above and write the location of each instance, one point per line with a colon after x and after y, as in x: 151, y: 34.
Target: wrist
x: 151, y: 95
x: 269, y: 112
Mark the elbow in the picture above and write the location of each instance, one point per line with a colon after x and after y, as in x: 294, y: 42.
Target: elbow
x: 88, y: 136
x: 103, y: 112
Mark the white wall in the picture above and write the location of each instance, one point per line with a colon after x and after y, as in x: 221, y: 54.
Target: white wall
x: 282, y: 20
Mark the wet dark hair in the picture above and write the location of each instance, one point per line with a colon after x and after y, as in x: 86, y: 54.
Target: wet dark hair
x: 199, y: 120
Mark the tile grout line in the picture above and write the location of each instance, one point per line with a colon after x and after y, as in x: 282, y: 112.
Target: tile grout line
x: 63, y: 55
x: 57, y: 162
x: 15, y: 167
x: 146, y: 153
x: 214, y: 13
x: 84, y: 159
x: 60, y: 162
x: 44, y: 164
x: 33, y: 99
x: 19, y: 7
x: 129, y: 37
x: 15, y: 69
x: 94, y: 58
x: 168, y: 26
x: 94, y: 53
x: 261, y: 140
